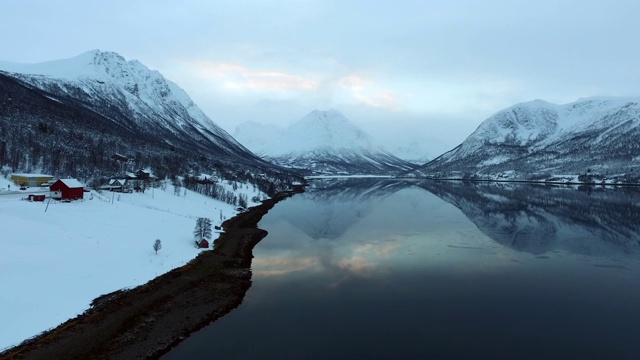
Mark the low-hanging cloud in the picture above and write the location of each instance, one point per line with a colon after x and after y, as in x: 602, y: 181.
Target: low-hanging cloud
x: 235, y: 76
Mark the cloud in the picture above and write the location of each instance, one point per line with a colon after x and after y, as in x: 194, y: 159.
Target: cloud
x: 367, y: 92
x: 238, y: 77
x: 321, y: 86
x: 379, y: 99
x: 353, y: 82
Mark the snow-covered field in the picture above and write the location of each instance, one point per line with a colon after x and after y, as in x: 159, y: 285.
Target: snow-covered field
x: 54, y: 263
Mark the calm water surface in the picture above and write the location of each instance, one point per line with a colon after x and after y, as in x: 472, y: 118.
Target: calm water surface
x: 369, y: 269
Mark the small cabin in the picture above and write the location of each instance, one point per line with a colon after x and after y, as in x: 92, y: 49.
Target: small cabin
x: 33, y: 197
x: 203, y: 244
x: 67, y: 189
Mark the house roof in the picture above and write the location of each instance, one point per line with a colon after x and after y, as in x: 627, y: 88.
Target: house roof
x: 72, y: 183
x: 146, y: 171
x: 121, y: 181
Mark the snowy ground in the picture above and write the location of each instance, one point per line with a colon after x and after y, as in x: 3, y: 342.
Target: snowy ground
x: 54, y: 263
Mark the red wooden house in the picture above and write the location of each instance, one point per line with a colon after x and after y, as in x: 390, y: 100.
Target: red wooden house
x: 67, y: 189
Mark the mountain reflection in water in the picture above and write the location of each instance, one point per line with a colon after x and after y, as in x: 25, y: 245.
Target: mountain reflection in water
x: 384, y: 269
x: 331, y: 206
x: 538, y: 218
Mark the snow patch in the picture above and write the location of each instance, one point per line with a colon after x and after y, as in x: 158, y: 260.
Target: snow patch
x: 54, y: 263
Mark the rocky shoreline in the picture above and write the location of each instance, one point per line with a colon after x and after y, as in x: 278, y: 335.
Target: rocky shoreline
x: 147, y: 321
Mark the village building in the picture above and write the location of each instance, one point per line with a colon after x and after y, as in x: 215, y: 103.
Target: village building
x: 118, y: 185
x: 140, y: 179
x: 129, y: 181
x: 30, y: 180
x: 34, y: 197
x: 145, y: 175
x: 67, y: 189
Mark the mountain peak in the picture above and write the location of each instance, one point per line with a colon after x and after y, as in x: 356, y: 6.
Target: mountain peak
x: 104, y: 77
x: 97, y: 54
x: 94, y: 64
x: 323, y: 141
x: 106, y: 59
x: 324, y: 130
x: 325, y: 116
x: 538, y: 139
x: 326, y: 113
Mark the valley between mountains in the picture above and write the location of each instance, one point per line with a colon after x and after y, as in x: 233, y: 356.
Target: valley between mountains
x: 99, y: 117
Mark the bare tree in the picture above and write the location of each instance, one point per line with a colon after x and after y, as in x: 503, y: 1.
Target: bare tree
x: 157, y: 246
x: 202, y: 229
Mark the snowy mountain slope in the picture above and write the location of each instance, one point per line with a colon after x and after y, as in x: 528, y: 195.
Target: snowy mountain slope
x: 132, y: 96
x: 538, y: 140
x: 327, y: 142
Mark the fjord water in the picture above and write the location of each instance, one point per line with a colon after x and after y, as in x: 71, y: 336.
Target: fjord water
x: 375, y: 269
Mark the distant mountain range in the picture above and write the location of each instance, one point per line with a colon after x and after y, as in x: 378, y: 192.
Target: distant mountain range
x: 67, y: 117
x: 324, y: 142
x: 595, y: 137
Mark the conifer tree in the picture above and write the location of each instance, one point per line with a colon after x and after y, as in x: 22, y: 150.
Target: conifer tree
x: 157, y: 246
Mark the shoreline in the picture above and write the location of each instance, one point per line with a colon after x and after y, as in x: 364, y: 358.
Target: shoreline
x: 540, y: 182
x: 149, y: 320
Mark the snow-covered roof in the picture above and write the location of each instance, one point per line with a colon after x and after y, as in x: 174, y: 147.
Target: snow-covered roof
x: 72, y: 183
x: 121, y: 181
x: 205, y: 176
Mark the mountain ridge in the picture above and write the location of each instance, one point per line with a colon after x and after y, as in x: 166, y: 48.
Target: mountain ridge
x: 70, y: 119
x: 539, y: 140
x: 106, y: 79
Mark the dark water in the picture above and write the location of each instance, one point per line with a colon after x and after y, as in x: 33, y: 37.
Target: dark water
x: 367, y: 269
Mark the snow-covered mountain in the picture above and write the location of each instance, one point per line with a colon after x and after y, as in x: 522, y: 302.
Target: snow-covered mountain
x: 142, y: 98
x: 101, y: 96
x: 323, y: 142
x: 596, y: 137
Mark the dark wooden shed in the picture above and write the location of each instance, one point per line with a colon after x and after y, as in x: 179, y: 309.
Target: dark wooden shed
x: 33, y: 197
x: 203, y: 244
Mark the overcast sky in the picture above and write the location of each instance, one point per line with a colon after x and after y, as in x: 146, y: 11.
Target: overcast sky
x: 398, y: 68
